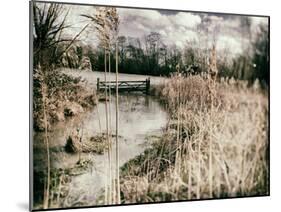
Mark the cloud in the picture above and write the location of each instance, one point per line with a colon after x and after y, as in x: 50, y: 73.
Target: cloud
x: 257, y: 21
x: 174, y: 28
x: 186, y: 20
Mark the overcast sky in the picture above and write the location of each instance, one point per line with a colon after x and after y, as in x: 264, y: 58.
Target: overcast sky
x: 176, y: 28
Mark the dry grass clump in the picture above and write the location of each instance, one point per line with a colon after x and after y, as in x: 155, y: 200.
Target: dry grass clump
x: 216, y: 145
x: 192, y: 92
x: 95, y: 144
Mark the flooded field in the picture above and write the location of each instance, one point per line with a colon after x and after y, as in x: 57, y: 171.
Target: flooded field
x: 91, y: 77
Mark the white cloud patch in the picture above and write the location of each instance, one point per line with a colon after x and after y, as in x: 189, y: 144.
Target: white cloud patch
x: 185, y: 20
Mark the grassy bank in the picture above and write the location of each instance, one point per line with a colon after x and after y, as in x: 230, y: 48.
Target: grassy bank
x: 215, y: 144
x: 57, y: 96
x: 65, y: 96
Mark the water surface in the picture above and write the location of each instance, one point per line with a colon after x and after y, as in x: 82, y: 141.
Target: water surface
x: 140, y: 116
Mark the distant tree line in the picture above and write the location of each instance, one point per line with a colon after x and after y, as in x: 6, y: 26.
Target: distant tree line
x: 152, y: 57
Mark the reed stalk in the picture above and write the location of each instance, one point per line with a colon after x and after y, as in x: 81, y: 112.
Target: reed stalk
x: 117, y: 131
x: 46, y: 140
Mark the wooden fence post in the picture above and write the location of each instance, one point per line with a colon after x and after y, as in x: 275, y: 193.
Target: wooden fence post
x: 147, y: 85
x: 98, y: 84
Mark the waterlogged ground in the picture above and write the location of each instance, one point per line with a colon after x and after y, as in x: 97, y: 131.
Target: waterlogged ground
x: 91, y: 77
x: 141, y: 117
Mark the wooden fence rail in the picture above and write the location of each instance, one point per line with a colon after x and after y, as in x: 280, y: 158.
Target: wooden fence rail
x: 129, y: 86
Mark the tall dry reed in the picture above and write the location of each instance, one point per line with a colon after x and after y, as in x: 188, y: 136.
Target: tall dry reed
x: 223, y: 143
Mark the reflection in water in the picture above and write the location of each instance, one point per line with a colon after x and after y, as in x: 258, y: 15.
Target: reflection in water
x: 139, y: 117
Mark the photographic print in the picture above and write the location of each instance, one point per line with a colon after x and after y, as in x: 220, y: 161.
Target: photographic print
x: 139, y: 105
